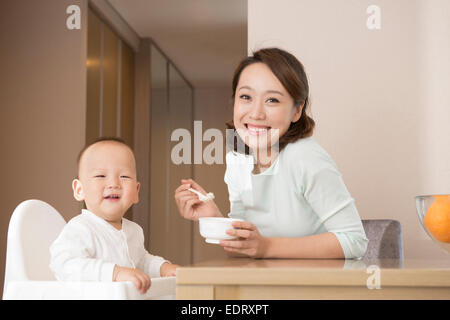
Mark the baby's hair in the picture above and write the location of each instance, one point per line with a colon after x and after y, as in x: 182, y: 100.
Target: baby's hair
x: 101, y: 139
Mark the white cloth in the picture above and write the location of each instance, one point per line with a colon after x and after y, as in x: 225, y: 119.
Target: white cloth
x: 88, y: 247
x: 301, y: 193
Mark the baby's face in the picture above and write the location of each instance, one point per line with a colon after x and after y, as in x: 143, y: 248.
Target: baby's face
x: 107, y: 180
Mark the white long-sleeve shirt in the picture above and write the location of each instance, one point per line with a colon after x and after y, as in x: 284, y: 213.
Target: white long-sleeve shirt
x: 301, y: 193
x: 88, y: 247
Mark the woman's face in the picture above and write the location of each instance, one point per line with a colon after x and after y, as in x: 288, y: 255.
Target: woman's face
x: 263, y: 109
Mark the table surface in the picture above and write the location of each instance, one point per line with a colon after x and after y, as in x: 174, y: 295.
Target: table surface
x: 323, y: 263
x: 245, y: 271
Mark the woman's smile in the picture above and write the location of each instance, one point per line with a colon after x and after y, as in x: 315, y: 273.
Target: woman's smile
x: 256, y: 130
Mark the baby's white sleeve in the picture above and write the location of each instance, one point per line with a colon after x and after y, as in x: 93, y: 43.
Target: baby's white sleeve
x: 151, y: 265
x: 148, y: 263
x: 71, y: 257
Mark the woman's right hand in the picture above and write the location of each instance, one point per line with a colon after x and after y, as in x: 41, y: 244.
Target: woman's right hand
x: 189, y: 206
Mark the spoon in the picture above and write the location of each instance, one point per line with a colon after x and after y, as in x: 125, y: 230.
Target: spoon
x: 209, y: 196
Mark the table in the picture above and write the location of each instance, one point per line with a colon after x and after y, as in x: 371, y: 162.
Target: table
x: 245, y: 278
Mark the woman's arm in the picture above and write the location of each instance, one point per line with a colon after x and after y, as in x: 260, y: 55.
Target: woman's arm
x: 251, y: 243
x: 317, y: 246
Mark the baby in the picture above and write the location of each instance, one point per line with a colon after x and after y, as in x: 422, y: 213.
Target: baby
x: 99, y: 244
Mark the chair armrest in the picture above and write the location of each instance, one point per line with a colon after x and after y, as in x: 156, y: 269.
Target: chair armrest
x: 161, y: 288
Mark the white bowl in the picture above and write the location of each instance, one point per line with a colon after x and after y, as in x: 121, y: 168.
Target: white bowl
x: 214, y: 229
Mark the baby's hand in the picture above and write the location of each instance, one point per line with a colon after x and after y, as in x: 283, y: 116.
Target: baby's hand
x: 139, y: 278
x: 168, y: 269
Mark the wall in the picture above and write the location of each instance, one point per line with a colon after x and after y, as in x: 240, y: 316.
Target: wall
x: 213, y: 106
x: 380, y: 97
x: 142, y: 72
x: 434, y: 64
x: 42, y: 106
x: 110, y: 85
x: 171, y: 109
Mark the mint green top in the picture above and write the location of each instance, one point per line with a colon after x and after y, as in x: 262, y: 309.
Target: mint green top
x: 301, y: 193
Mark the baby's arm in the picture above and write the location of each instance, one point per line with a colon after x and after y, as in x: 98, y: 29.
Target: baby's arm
x: 152, y: 265
x: 168, y: 269
x: 72, y: 257
x: 140, y: 279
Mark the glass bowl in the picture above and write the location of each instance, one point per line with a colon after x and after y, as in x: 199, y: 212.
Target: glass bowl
x: 441, y: 204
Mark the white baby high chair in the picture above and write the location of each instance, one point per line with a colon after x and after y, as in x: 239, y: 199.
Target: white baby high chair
x: 34, y: 225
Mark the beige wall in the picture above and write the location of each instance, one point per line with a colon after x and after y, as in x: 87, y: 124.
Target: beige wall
x: 380, y: 97
x: 42, y: 106
x: 434, y: 63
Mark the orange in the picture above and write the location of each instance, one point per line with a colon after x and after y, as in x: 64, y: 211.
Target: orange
x: 437, y: 218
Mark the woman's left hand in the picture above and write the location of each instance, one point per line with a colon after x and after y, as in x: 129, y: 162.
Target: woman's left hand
x: 249, y: 241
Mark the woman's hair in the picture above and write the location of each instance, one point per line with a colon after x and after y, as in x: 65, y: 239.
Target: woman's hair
x: 291, y: 74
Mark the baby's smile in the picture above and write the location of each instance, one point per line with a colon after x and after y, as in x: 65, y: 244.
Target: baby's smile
x: 112, y: 197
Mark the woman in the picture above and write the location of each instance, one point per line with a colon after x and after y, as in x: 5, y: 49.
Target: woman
x: 290, y: 194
